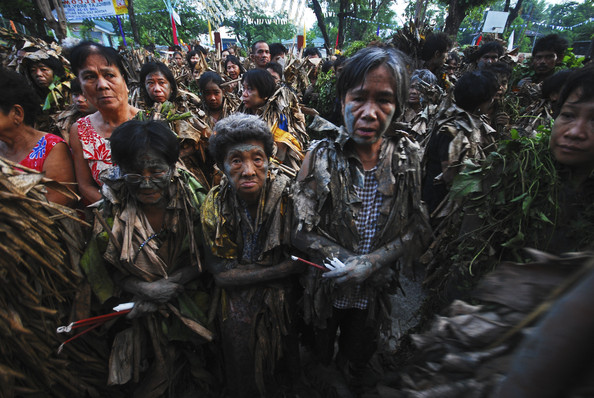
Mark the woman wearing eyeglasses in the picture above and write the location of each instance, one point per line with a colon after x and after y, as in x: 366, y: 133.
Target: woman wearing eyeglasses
x: 151, y: 258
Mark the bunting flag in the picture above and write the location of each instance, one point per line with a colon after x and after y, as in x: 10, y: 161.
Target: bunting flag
x: 13, y: 27
x: 209, y: 33
x: 510, y: 41
x: 176, y: 17
x: 174, y: 31
x: 121, y: 30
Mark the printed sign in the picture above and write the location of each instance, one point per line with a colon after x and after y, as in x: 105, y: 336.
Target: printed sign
x: 495, y: 22
x: 79, y: 10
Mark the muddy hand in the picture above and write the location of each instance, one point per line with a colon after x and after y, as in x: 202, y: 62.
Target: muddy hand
x: 355, y: 271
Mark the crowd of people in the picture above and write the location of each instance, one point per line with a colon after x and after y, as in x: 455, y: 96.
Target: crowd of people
x: 249, y: 249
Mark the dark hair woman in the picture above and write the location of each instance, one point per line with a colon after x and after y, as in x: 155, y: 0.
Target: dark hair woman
x: 152, y: 256
x: 234, y: 69
x: 157, y: 83
x: 213, y: 96
x: 258, y: 86
x: 102, y: 75
x: 21, y: 143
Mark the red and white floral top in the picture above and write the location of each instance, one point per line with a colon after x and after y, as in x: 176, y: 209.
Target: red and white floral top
x: 96, y: 149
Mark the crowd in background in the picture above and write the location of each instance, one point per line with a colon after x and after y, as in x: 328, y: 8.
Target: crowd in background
x: 211, y: 179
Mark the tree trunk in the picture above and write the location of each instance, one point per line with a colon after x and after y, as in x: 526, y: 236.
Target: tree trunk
x: 322, y: 24
x: 341, y: 22
x: 46, y: 10
x: 456, y: 14
x: 418, y: 9
x: 133, y: 24
x: 59, y: 7
x: 513, y: 14
x: 377, y: 9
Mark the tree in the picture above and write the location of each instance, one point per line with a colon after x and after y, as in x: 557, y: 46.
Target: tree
x: 59, y: 24
x: 251, y: 25
x: 570, y: 14
x: 31, y: 15
x: 133, y: 24
x: 317, y: 9
x: 457, y: 11
x: 153, y: 23
x: 513, y: 12
x: 346, y: 15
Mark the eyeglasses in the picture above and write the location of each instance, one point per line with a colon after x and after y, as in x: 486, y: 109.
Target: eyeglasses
x: 136, y: 179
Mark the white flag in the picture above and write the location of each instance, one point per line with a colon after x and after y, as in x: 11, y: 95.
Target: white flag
x: 510, y: 41
x: 176, y: 17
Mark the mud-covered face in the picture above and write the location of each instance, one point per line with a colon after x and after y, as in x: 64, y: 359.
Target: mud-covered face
x: 246, y: 167
x: 157, y: 86
x: 414, y: 94
x: 149, y: 179
x: 368, y: 108
x: 178, y: 59
x: 275, y: 75
x: 194, y: 59
x: 572, y: 137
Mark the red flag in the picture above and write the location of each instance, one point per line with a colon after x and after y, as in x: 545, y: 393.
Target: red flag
x: 478, y: 41
x: 174, y: 31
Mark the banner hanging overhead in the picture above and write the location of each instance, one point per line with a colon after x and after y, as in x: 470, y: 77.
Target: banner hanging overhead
x: 79, y: 10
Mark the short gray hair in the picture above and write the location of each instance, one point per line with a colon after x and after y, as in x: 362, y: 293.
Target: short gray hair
x: 235, y: 129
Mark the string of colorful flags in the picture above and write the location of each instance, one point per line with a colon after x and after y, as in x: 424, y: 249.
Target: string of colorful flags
x: 216, y: 14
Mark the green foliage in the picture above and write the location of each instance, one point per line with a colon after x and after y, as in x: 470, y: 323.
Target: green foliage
x: 356, y: 30
x: 353, y: 47
x: 86, y: 29
x: 326, y: 87
x: 247, y: 32
x: 471, y: 25
x: 155, y: 27
x: 520, y: 197
x: 571, y: 61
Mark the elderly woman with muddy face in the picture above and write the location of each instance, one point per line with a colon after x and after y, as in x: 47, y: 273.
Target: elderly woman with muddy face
x: 358, y: 206
x: 246, y: 223
x: 152, y: 258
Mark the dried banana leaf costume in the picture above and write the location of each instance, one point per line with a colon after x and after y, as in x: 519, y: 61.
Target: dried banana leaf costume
x: 327, y: 203
x: 169, y: 340
x: 254, y: 319
x: 287, y: 124
x: 457, y: 137
x: 188, y: 122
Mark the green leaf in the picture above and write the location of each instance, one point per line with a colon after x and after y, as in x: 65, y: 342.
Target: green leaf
x: 465, y: 184
x: 544, y: 218
x: 514, y: 134
x: 47, y: 104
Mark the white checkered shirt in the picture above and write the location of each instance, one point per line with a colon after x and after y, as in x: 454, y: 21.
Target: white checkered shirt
x: 366, y: 222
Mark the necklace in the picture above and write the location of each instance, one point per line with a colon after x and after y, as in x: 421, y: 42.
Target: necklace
x: 148, y: 240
